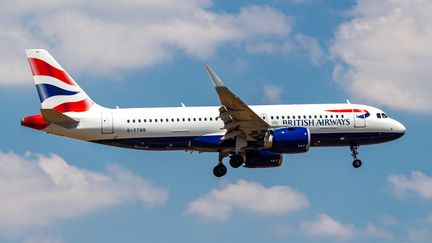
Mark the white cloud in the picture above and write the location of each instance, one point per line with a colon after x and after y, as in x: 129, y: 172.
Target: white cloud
x: 111, y: 36
x: 220, y: 203
x: 272, y: 94
x: 36, y: 191
x: 324, y: 225
x: 384, y: 52
x: 417, y: 183
x: 376, y: 232
x: 311, y: 47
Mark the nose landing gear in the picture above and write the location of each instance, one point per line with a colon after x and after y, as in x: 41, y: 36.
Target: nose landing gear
x: 356, y: 163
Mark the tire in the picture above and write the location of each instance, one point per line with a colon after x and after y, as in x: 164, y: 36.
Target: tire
x: 236, y: 161
x: 220, y: 170
x: 357, y: 163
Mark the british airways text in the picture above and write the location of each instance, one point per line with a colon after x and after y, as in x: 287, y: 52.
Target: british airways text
x: 317, y: 122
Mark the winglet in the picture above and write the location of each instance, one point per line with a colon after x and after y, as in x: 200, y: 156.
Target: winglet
x: 216, y: 80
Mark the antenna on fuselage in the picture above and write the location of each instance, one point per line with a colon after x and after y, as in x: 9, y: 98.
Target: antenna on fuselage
x: 348, y: 102
x: 183, y: 105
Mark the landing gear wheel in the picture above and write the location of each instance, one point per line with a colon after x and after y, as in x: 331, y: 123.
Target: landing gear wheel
x: 357, y: 163
x: 220, y: 170
x: 236, y: 161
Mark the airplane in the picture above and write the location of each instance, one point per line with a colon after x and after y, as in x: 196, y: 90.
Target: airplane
x: 252, y: 136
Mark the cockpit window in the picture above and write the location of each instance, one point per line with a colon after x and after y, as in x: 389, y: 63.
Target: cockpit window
x: 379, y: 115
x: 384, y: 115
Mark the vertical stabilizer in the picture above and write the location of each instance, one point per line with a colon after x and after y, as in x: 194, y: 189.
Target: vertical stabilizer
x: 57, y: 90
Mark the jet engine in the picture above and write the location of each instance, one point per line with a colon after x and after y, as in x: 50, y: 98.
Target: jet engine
x: 288, y: 140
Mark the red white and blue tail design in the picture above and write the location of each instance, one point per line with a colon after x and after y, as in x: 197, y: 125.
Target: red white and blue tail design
x: 57, y: 90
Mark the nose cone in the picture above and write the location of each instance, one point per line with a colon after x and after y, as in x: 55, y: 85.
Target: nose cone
x: 398, y: 128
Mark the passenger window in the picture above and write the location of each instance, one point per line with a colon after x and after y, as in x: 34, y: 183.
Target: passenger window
x: 277, y: 117
x: 205, y: 118
x: 331, y: 116
x: 304, y: 117
x: 183, y: 119
x: 150, y: 120
x: 145, y: 120
x: 310, y: 117
x: 172, y: 119
x: 288, y: 117
x: 178, y: 119
x: 133, y: 120
x: 161, y: 120
x: 337, y: 116
x: 155, y: 120
x: 194, y: 119
x: 167, y: 120
x: 211, y: 118
x: 189, y: 119
x: 326, y: 116
x: 320, y: 116
x: 315, y: 117
x: 283, y: 117
x: 378, y: 115
x: 342, y: 116
x: 139, y: 120
x: 128, y: 121
x: 271, y: 117
x: 299, y: 117
x: 199, y: 119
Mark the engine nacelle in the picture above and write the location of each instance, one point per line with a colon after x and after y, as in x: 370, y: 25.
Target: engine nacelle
x: 262, y: 159
x: 288, y: 140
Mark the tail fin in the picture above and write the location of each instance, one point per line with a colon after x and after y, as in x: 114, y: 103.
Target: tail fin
x: 57, y: 90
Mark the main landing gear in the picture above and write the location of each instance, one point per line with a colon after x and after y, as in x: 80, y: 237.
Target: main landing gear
x: 236, y: 160
x: 220, y: 169
x: 356, y: 163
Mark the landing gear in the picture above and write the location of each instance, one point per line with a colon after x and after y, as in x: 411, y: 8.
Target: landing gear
x: 236, y: 160
x: 220, y: 170
x: 356, y: 163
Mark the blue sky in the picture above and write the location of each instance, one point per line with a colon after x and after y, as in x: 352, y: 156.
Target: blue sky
x: 151, y: 53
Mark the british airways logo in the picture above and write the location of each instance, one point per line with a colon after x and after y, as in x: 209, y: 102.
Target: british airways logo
x: 364, y: 113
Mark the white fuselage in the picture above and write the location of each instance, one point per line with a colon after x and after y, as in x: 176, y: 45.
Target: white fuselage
x: 180, y: 124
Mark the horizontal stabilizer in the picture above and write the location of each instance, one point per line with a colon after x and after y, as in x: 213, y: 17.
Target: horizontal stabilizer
x: 53, y: 116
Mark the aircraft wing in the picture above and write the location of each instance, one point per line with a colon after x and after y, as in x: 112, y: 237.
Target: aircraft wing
x: 238, y: 118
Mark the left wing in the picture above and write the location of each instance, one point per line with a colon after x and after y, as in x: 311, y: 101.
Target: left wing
x: 240, y: 121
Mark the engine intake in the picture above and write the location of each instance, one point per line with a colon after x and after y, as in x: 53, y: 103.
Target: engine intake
x: 288, y: 140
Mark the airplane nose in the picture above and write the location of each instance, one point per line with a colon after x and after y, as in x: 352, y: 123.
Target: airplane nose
x: 399, y: 127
